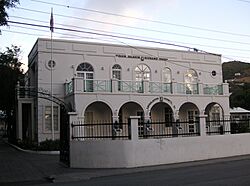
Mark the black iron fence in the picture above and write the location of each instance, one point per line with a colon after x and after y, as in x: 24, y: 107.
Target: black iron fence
x: 164, y: 129
x: 100, y: 130
x: 227, y: 126
x: 159, y: 129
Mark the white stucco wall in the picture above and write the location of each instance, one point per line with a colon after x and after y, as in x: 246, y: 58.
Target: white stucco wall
x: 146, y: 152
x: 69, y: 54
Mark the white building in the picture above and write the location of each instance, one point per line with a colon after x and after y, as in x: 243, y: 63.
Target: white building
x: 238, y: 113
x: 107, y: 82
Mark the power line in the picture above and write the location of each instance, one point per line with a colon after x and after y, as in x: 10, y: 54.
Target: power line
x: 43, y: 26
x: 131, y: 35
x: 113, y: 36
x: 107, y: 35
x: 237, y: 0
x: 144, y: 19
x: 138, y: 28
x: 18, y: 32
x: 60, y: 33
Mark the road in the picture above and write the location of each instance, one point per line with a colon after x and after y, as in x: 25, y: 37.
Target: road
x: 22, y: 168
x: 218, y: 172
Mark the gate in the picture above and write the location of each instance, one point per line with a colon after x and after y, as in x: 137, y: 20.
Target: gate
x: 29, y: 92
x: 64, y: 136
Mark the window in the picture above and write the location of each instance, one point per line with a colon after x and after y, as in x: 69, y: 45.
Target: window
x: 168, y: 116
x: 167, y: 77
x: 193, y: 118
x: 86, y: 71
x: 116, y: 73
x: 48, y: 119
x: 142, y: 72
x: 191, y: 80
x: 191, y: 76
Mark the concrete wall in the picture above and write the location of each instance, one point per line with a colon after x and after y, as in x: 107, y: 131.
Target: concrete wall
x: 146, y: 152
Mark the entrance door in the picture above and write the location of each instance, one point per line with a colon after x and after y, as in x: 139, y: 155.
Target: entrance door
x: 192, y: 120
x: 26, y: 121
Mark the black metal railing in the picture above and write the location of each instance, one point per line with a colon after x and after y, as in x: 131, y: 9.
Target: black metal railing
x: 100, y: 130
x: 227, y: 126
x: 164, y: 129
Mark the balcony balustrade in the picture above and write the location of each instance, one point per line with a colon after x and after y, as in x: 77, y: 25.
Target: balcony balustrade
x: 81, y: 85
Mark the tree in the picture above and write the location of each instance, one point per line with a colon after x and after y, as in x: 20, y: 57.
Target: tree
x: 10, y: 73
x: 6, y: 4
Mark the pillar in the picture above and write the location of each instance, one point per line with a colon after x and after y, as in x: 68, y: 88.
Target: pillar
x: 72, y: 119
x: 134, y: 127
x: 203, y: 130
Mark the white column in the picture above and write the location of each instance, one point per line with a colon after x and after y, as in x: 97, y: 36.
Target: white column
x: 174, y: 87
x: 203, y: 131
x: 134, y: 127
x: 114, y: 84
x: 78, y: 84
x: 225, y: 88
x: 72, y: 119
x: 145, y: 86
x: 200, y: 88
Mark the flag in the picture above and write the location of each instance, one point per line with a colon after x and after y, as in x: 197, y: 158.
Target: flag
x: 51, y: 21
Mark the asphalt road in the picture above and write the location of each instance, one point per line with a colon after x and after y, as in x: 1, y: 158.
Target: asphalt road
x: 22, y: 168
x: 234, y: 172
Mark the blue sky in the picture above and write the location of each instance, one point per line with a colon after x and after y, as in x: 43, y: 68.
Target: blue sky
x: 217, y: 26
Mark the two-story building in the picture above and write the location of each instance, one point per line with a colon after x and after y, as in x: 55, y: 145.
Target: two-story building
x: 108, y: 82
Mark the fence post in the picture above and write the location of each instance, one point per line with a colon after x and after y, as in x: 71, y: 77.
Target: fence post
x: 134, y: 127
x: 226, y: 124
x: 72, y: 118
x: 203, y: 124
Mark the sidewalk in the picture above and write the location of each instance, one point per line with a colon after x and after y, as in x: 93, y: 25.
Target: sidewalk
x: 22, y: 168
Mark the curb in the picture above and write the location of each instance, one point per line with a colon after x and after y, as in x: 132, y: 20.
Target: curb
x: 34, y: 152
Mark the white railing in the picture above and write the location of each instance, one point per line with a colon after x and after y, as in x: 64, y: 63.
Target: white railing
x: 120, y: 86
x: 131, y: 86
x: 187, y: 88
x: 97, y: 85
x: 69, y: 87
x: 212, y: 89
x: 159, y: 87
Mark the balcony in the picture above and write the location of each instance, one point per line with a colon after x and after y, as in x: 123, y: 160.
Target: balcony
x: 80, y: 85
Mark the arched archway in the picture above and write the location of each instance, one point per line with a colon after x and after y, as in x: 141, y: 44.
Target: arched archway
x: 130, y: 109
x: 214, y: 111
x: 97, y: 112
x: 161, y: 112
x: 189, y: 115
x: 215, y: 114
x: 188, y: 111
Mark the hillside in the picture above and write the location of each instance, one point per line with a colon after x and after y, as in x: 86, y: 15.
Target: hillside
x: 239, y: 86
x: 229, y: 69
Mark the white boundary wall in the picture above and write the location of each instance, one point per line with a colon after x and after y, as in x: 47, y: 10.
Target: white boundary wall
x: 146, y: 152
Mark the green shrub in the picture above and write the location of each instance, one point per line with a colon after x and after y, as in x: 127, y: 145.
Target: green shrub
x: 47, y: 145
x: 27, y: 144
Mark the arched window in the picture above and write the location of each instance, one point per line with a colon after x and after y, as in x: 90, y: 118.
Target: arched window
x: 167, y: 75
x: 86, y: 71
x: 191, y: 80
x: 142, y: 72
x: 191, y: 76
x: 116, y: 71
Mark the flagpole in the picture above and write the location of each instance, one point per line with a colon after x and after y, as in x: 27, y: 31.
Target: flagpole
x: 51, y: 73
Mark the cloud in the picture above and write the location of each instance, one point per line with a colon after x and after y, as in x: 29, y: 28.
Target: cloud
x: 148, y: 9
